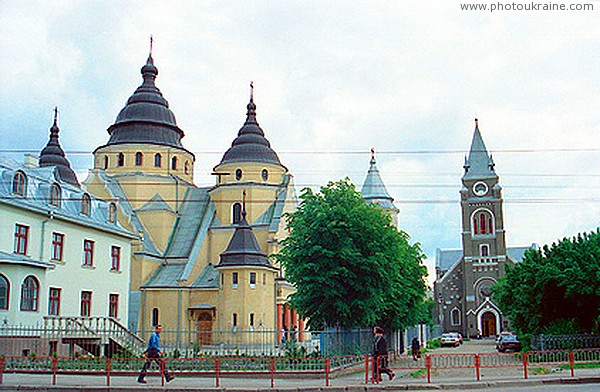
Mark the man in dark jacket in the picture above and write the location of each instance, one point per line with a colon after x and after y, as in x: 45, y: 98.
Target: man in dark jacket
x: 153, y: 354
x: 380, y: 356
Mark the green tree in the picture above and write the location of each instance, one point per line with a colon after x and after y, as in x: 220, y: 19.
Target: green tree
x: 350, y: 265
x: 555, y: 289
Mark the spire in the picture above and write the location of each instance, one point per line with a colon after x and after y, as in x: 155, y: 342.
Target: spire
x: 479, y: 164
x: 250, y: 145
x: 374, y: 190
x: 53, y: 155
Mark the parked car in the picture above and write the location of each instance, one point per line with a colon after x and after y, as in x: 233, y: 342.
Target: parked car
x: 451, y: 339
x: 508, y: 342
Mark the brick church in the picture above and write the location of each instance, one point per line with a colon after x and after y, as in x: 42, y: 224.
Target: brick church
x: 464, y: 277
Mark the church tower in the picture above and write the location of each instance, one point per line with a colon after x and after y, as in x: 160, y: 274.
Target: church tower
x: 53, y: 155
x: 483, y: 238
x: 144, y: 154
x: 374, y: 190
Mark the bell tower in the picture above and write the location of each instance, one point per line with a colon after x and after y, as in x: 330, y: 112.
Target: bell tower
x: 483, y: 238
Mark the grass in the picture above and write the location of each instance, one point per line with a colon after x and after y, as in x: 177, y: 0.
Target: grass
x: 593, y: 365
x: 421, y: 373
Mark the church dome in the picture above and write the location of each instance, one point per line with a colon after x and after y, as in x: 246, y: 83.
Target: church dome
x: 251, y: 145
x: 146, y: 118
x: 53, y: 155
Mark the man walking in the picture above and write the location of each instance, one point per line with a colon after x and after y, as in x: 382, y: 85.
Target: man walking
x: 153, y: 354
x: 380, y: 356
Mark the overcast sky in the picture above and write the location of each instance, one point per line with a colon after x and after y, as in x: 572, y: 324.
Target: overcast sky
x: 333, y: 79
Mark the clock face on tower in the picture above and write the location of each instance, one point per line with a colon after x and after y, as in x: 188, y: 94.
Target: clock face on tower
x: 480, y: 188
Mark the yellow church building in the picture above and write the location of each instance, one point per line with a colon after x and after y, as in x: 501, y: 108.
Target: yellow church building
x: 202, y: 263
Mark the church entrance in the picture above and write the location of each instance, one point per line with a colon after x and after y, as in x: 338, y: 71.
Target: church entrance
x: 488, y: 324
x: 205, y: 322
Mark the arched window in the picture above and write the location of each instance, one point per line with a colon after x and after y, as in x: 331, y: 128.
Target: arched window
x: 238, y: 174
x: 186, y: 167
x: 485, y: 250
x: 483, y: 222
x: 120, y: 159
x: 174, y: 163
x: 155, y: 317
x: 4, y: 292
x: 139, y: 158
x: 19, y: 185
x: 455, y: 316
x: 265, y: 174
x: 236, y: 213
x: 105, y: 162
x: 30, y: 291
x: 85, y: 204
x: 112, y: 213
x: 55, y: 195
x: 157, y: 160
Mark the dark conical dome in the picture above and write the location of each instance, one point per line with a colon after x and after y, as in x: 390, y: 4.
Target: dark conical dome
x: 53, y: 155
x: 251, y: 145
x: 243, y: 249
x: 146, y: 118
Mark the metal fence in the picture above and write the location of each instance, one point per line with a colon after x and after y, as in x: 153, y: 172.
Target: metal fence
x: 564, y: 342
x: 64, y: 339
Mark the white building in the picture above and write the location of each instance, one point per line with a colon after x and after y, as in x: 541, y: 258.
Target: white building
x: 63, y: 253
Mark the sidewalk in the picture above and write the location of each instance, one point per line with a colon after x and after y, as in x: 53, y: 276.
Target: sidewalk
x: 350, y: 383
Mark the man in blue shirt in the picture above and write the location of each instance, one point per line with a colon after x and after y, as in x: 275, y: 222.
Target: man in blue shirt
x: 153, y: 354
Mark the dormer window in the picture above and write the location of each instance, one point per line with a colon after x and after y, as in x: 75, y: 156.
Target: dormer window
x: 55, y: 195
x: 112, y: 213
x: 85, y: 204
x: 19, y: 184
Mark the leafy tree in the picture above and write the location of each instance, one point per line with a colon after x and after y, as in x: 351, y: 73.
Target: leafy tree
x: 350, y: 265
x: 555, y: 289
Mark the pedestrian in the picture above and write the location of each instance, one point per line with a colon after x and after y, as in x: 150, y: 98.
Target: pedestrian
x: 416, y: 349
x: 380, y: 356
x: 153, y: 354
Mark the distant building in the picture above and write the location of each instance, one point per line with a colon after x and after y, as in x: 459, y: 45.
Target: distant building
x: 464, y: 276
x: 63, y: 253
x: 202, y: 264
x: 374, y: 190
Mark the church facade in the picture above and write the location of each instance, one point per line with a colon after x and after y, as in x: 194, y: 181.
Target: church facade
x: 464, y: 277
x: 189, y: 272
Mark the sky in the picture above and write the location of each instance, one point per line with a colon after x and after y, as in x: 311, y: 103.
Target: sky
x: 333, y: 79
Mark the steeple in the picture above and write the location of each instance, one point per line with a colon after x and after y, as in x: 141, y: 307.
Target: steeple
x: 374, y: 190
x: 53, y: 155
x: 146, y: 118
x: 479, y: 164
x: 243, y: 249
x: 251, y: 145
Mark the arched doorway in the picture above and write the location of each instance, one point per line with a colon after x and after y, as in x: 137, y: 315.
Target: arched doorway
x: 205, y: 328
x: 488, y: 324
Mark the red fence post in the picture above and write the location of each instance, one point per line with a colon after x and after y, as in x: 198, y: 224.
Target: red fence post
x: 2, y: 365
x: 217, y: 370
x: 428, y: 366
x: 367, y: 369
x: 272, y: 370
x: 162, y: 371
x: 54, y: 368
x: 572, y: 363
x: 478, y: 366
x: 525, y: 354
x: 108, y: 368
x: 327, y: 364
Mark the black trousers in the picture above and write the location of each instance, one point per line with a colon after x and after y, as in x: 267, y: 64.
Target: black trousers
x: 381, y: 366
x: 153, y: 356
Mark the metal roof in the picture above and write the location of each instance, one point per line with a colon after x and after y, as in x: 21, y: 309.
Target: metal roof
x: 479, y: 164
x: 374, y: 190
